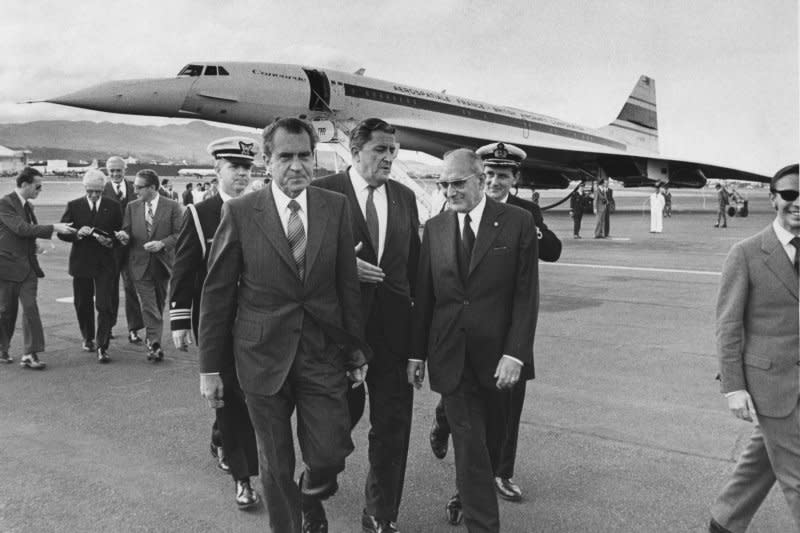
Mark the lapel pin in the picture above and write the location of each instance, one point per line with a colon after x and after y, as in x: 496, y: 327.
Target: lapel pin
x: 496, y: 223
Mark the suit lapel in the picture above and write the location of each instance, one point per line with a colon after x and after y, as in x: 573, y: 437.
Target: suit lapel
x: 445, y: 243
x: 393, y: 219
x: 491, y: 224
x: 316, y: 225
x: 267, y: 219
x: 778, y: 262
x: 15, y: 201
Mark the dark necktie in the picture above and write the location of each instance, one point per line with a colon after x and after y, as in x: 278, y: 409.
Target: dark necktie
x: 796, y: 243
x: 297, y: 239
x: 373, y: 227
x: 468, y: 237
x: 119, y: 191
x: 148, y: 219
x: 29, y: 213
x: 94, y: 211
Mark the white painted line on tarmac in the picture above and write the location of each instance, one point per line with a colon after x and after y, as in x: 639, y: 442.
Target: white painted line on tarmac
x: 638, y: 269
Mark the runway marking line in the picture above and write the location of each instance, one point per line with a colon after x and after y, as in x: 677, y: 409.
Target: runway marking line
x: 638, y: 269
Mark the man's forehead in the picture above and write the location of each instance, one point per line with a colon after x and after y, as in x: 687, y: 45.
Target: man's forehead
x: 498, y: 171
x: 381, y: 137
x: 789, y: 181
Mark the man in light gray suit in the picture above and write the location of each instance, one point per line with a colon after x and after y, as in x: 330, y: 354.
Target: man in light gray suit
x: 151, y: 224
x: 759, y: 354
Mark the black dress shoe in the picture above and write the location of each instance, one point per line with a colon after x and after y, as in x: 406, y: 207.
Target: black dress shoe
x: 134, y: 338
x: 5, y: 358
x: 246, y: 497
x: 369, y: 524
x: 715, y: 527
x: 455, y: 514
x: 439, y: 439
x: 88, y: 346
x: 102, y: 356
x: 507, y: 489
x: 155, y: 353
x: 314, y: 519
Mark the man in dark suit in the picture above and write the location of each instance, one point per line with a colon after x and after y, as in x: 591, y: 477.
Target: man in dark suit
x: 282, y: 287
x: 577, y: 205
x: 601, y: 210
x: 120, y: 189
x: 150, y: 228
x: 385, y: 223
x: 474, y: 321
x: 233, y: 442
x: 19, y: 267
x: 91, y: 260
x: 757, y: 345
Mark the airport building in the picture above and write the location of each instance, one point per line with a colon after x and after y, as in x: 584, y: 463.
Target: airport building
x: 12, y: 161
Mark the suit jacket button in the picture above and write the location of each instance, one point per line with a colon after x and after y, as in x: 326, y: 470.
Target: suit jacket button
x: 466, y: 302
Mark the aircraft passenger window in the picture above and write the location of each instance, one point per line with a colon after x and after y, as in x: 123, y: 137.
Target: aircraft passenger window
x: 191, y: 70
x: 222, y: 71
x: 211, y: 71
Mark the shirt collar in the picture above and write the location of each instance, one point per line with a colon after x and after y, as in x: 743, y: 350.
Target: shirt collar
x: 154, y: 201
x: 225, y: 197
x: 505, y: 199
x: 282, y: 201
x: 784, y: 235
x: 90, y: 202
x: 358, y: 181
x: 21, y: 199
x: 476, y: 213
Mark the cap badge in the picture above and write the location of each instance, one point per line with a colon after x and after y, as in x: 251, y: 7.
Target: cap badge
x: 500, y: 152
x: 246, y: 148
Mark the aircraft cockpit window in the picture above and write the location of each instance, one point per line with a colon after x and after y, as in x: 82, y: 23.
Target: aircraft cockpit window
x: 191, y: 70
x: 211, y: 71
x: 222, y: 71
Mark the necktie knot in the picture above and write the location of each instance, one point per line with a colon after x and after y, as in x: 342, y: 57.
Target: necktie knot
x: 796, y: 243
x: 294, y: 206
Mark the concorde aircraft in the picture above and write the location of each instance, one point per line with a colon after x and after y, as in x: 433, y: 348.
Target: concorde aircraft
x: 255, y: 94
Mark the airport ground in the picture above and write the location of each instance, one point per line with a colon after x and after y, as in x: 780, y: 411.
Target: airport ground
x: 624, y: 429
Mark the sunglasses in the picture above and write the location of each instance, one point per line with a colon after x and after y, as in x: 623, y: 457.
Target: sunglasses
x: 38, y: 187
x: 788, y: 195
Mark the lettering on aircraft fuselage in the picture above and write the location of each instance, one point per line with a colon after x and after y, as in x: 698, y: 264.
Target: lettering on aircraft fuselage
x: 258, y: 72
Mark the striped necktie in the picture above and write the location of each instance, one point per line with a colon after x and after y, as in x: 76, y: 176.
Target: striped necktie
x: 297, y: 239
x: 796, y: 243
x: 148, y: 219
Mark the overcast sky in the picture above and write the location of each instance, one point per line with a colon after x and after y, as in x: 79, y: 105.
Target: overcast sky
x: 726, y: 71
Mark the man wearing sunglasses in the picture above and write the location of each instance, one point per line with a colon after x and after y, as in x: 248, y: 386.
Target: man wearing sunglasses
x: 474, y: 319
x: 385, y: 223
x: 19, y: 268
x: 91, y: 261
x: 758, y: 348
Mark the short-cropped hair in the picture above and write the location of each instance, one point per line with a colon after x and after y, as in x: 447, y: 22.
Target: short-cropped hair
x: 150, y: 177
x: 362, y: 133
x: 785, y: 171
x: 27, y: 175
x: 290, y: 125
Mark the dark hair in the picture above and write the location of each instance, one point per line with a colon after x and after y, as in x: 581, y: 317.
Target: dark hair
x: 362, y: 133
x: 785, y: 171
x: 164, y: 182
x: 290, y: 125
x: 149, y: 176
x: 27, y: 175
x: 188, y: 186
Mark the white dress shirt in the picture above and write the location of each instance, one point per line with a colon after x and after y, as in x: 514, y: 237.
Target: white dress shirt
x: 282, y: 205
x: 21, y: 199
x: 154, y: 204
x: 119, y: 188
x: 784, y: 236
x: 361, y: 187
x: 97, y: 203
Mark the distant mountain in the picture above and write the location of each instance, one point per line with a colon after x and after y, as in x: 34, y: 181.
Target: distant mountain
x: 83, y: 140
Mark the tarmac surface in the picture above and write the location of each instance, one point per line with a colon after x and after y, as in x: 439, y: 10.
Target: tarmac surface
x: 623, y: 430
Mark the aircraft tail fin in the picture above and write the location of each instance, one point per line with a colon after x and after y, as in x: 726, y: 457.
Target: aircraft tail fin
x: 637, y: 122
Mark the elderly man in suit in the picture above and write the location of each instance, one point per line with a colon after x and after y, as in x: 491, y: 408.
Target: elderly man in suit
x: 384, y: 219
x: 91, y: 261
x: 474, y: 321
x: 150, y: 228
x: 758, y: 347
x: 121, y: 190
x: 501, y: 163
x: 233, y: 442
x: 282, y: 287
x: 19, y: 268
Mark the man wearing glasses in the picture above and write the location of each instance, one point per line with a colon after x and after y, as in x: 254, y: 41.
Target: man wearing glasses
x: 757, y: 345
x: 150, y: 228
x: 385, y: 224
x: 474, y: 321
x: 19, y: 268
x: 91, y: 261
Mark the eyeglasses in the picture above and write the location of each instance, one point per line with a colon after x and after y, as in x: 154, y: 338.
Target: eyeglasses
x: 788, y: 195
x: 38, y: 187
x: 459, y: 183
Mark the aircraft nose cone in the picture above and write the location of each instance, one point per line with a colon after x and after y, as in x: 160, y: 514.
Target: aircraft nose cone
x: 157, y: 97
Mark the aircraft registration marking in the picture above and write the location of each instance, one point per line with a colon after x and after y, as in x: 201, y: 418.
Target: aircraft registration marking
x: 638, y: 269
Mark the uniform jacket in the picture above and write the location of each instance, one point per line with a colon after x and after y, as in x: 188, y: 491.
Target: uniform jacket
x: 389, y: 302
x: 493, y: 313
x: 252, y: 291
x: 189, y: 267
x: 18, y: 240
x: 88, y: 257
x: 166, y: 225
x: 549, y: 244
x: 757, y: 324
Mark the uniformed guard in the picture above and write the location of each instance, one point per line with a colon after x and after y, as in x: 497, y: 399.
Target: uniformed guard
x: 501, y: 165
x: 232, y: 438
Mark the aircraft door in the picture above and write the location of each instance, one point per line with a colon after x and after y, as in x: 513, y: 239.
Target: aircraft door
x: 525, y: 129
x: 320, y: 99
